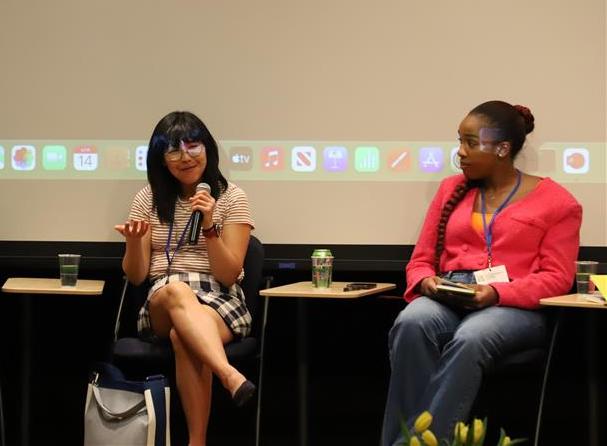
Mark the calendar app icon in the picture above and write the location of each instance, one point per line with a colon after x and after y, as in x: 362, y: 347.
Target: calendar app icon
x: 86, y: 158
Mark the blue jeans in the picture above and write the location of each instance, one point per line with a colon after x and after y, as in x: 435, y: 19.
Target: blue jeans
x: 438, y: 356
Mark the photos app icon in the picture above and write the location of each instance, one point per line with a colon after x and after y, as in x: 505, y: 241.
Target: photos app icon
x: 23, y: 157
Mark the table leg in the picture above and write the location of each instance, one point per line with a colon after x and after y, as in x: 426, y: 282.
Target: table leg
x: 302, y: 369
x: 593, y: 384
x: 264, y: 318
x: 26, y: 353
x: 538, y: 421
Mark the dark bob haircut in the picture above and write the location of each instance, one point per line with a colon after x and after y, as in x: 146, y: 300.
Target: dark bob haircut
x: 174, y: 128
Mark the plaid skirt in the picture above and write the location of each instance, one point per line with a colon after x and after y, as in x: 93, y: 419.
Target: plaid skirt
x: 228, y: 302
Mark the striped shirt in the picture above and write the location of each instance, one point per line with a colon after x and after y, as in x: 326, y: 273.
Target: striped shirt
x: 232, y: 207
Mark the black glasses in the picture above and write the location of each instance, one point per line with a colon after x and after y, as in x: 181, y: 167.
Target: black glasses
x: 176, y: 153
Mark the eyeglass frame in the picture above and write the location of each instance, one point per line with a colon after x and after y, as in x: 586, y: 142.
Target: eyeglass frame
x: 199, y: 147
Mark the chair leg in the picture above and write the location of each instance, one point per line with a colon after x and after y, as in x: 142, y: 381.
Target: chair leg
x: 266, y: 303
x: 545, y: 379
x: 2, y: 431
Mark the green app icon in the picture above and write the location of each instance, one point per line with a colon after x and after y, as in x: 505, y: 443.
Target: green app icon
x: 366, y: 159
x: 54, y: 157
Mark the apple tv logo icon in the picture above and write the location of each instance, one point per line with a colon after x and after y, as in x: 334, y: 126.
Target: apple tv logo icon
x: 241, y: 158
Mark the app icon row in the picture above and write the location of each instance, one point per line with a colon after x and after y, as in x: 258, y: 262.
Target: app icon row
x: 364, y: 159
x: 26, y: 157
x: 339, y: 159
x: 272, y: 158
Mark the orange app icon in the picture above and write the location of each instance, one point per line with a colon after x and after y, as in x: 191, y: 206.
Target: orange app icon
x: 116, y: 158
x: 272, y: 158
x: 399, y: 160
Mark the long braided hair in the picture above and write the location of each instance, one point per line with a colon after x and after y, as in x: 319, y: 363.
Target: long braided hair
x: 458, y: 194
x: 515, y: 122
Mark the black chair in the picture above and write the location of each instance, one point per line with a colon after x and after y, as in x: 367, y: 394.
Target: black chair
x: 138, y: 358
x: 527, y: 363
x: 523, y: 362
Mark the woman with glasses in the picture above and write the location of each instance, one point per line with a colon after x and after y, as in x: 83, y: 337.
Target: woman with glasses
x: 512, y: 238
x: 194, y: 299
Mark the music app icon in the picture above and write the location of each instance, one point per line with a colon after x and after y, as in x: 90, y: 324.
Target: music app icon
x: 272, y: 158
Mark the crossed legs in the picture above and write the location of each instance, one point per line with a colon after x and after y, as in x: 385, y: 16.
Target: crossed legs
x: 198, y: 335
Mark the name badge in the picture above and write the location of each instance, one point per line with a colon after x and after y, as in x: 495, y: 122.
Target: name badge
x: 491, y: 275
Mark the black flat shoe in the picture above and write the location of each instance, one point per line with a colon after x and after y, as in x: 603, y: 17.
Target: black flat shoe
x: 244, y: 393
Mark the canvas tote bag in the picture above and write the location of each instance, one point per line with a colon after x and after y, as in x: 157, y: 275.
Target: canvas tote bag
x: 119, y: 412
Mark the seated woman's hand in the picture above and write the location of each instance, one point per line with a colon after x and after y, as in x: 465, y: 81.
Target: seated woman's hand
x: 133, y: 229
x: 485, y: 296
x: 427, y: 286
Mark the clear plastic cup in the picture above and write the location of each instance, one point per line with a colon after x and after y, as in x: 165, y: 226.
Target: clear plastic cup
x: 583, y: 270
x: 68, y: 269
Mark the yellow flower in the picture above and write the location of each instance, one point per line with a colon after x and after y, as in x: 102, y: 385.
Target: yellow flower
x: 423, y: 422
x: 414, y: 441
x: 479, y: 429
x: 461, y: 432
x: 429, y: 438
x: 506, y: 441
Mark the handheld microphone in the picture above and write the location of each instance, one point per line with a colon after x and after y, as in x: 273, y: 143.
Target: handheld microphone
x: 197, y: 218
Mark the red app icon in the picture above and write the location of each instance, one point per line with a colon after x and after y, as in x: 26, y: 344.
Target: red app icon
x: 272, y: 158
x: 399, y: 160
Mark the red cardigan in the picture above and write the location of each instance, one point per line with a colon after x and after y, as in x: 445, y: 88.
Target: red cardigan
x: 536, y: 237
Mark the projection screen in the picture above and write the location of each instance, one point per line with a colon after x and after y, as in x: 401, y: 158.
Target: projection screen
x: 338, y: 118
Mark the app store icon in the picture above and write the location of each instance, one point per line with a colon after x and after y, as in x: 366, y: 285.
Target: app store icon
x: 431, y: 159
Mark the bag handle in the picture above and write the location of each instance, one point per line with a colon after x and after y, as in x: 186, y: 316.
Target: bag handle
x: 108, y: 415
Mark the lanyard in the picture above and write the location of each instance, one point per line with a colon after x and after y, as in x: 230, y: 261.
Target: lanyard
x: 179, y: 244
x: 488, y: 230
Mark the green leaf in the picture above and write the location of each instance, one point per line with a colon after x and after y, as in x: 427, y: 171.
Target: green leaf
x: 470, y: 436
x: 500, y: 442
x: 482, y: 440
x: 405, y: 430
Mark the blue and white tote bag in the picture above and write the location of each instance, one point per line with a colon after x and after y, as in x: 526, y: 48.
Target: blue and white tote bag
x: 120, y: 412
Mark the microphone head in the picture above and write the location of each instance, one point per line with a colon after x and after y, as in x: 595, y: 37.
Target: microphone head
x: 202, y: 187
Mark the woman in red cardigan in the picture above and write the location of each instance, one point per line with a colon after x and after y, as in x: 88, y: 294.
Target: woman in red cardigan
x: 513, y: 238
